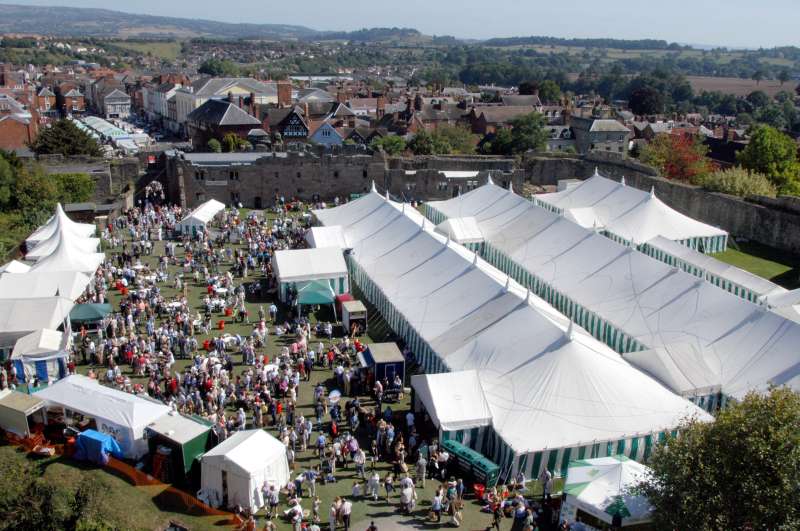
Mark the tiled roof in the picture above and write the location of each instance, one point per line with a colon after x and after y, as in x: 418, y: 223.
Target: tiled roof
x: 221, y: 112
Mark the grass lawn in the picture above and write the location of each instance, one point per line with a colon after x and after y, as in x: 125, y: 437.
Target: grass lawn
x: 134, y: 507
x: 765, y: 262
x: 169, y: 50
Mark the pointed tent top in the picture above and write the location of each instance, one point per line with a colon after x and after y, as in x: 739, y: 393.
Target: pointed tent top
x: 652, y: 191
x: 571, y: 330
x: 422, y: 225
x: 489, y: 179
x: 508, y: 282
x: 475, y: 259
x: 528, y: 296
x: 403, y: 208
x: 447, y: 241
x: 596, y: 172
x: 622, y: 181
x: 387, y: 195
x: 373, y: 189
x: 510, y: 187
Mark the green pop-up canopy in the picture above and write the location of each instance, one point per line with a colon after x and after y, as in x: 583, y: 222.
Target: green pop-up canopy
x: 89, y: 313
x: 316, y: 292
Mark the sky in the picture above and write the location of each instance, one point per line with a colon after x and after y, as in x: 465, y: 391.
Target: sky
x: 733, y: 23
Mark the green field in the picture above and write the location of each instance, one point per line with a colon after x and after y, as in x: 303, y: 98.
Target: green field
x: 764, y: 262
x: 168, y: 50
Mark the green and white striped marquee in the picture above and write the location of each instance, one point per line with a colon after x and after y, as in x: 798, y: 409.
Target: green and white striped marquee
x: 692, y: 269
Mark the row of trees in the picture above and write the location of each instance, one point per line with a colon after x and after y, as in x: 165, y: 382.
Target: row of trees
x: 767, y: 166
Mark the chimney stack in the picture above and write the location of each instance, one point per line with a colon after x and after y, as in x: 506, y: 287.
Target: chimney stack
x: 284, y: 93
x: 380, y: 107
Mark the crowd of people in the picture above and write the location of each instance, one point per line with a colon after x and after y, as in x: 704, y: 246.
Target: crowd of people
x: 232, y: 381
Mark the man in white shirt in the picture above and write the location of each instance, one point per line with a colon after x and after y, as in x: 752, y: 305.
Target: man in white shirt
x: 347, y: 509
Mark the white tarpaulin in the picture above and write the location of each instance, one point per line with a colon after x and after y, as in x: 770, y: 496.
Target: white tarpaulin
x: 122, y: 415
x: 19, y: 317
x: 627, y: 212
x: 45, y: 248
x: 630, y: 300
x: 57, y: 221
x: 248, y: 459
x: 15, y: 266
x: 69, y: 284
x: 319, y: 237
x: 604, y: 486
x: 198, y: 218
x: 454, y: 400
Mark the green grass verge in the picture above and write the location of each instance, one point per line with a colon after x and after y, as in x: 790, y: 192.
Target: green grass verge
x: 765, y: 262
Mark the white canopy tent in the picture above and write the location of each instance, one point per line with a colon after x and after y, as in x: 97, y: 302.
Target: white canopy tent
x: 69, y: 284
x: 319, y: 237
x: 603, y: 487
x: 454, y: 400
x: 15, y: 266
x: 46, y: 248
x: 630, y: 214
x: 462, y: 230
x: 19, y: 317
x: 457, y: 313
x: 41, y: 354
x: 297, y: 267
x: 629, y: 300
x: 122, y: 415
x: 197, y: 219
x: 57, y: 221
x: 247, y: 459
x: 15, y: 410
x: 66, y: 257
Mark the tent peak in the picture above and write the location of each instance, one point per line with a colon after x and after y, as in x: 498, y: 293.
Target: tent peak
x: 622, y: 181
x: 489, y: 179
x: 475, y: 259
x: 510, y: 187
x: 571, y: 330
x: 528, y: 296
x: 373, y: 188
x: 422, y: 225
x: 387, y: 195
x: 596, y: 172
x: 508, y: 283
x: 652, y: 191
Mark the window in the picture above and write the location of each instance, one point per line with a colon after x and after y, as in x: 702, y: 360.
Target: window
x: 441, y: 186
x: 411, y: 186
x: 336, y: 174
x: 299, y: 176
x: 277, y: 175
x: 364, y: 173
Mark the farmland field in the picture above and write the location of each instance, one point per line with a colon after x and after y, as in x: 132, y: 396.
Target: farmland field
x: 737, y: 86
x: 168, y: 50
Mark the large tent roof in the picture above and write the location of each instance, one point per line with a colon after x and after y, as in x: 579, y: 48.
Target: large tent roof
x: 46, y: 247
x: 56, y: 221
x: 34, y: 285
x: 24, y: 315
x: 41, y: 344
x: 454, y: 400
x: 66, y: 257
x: 658, y: 305
x: 319, y: 237
x: 87, y: 396
x: 205, y: 212
x: 534, y: 368
x: 248, y: 450
x: 309, y: 264
x: 630, y: 213
x: 604, y: 485
x: 178, y: 428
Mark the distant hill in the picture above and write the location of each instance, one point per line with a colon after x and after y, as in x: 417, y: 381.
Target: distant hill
x: 83, y: 22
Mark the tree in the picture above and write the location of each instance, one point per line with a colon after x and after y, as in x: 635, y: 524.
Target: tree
x: 425, y: 143
x: 460, y: 139
x: 739, y: 472
x: 74, y: 187
x: 784, y: 76
x: 526, y: 133
x: 775, y: 155
x: 219, y: 68
x: 214, y: 145
x: 678, y: 157
x: 646, y: 101
x: 7, y: 183
x: 549, y: 91
x: 758, y: 75
x: 758, y: 99
x: 231, y: 142
x: 64, y: 138
x: 738, y: 181
x: 392, y: 145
